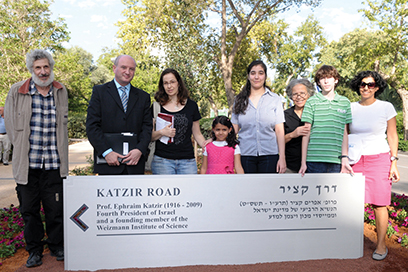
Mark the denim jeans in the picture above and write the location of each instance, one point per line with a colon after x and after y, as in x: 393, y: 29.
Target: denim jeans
x: 322, y: 167
x: 162, y: 166
x: 259, y: 164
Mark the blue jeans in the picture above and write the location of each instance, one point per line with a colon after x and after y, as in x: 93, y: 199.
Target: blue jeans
x: 162, y: 166
x: 322, y: 167
x: 259, y: 164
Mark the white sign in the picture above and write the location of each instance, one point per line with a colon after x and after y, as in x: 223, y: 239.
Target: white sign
x: 159, y: 221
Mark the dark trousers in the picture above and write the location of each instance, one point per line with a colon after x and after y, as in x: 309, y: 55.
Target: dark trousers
x: 43, y: 187
x: 323, y: 167
x: 259, y: 164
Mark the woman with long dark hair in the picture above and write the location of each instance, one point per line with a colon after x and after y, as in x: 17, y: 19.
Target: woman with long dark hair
x: 258, y: 119
x: 177, y: 156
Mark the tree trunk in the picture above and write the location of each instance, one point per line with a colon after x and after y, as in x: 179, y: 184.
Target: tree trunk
x: 213, y: 105
x: 403, y: 93
x: 229, y: 91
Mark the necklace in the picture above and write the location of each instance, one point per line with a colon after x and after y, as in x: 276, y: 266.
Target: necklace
x: 175, y: 104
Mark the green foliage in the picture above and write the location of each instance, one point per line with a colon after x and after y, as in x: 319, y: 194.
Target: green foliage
x: 76, y: 126
x: 393, y: 97
x: 147, y: 71
x: 11, y: 227
x: 398, y: 213
x: 402, y: 145
x: 76, y: 78
x: 204, y: 55
x: 206, y: 127
x: 391, y: 230
x: 391, y: 17
x: 291, y: 56
x: 84, y: 171
x: 147, y: 74
x: 404, y: 240
x: 25, y: 25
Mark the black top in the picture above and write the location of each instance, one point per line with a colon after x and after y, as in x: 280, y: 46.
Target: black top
x: 181, y: 147
x: 293, y: 149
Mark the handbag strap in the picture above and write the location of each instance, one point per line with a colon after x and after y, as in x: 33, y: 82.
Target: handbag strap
x: 156, y: 109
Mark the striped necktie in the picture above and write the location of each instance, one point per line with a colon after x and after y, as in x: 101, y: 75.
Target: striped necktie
x: 124, y: 98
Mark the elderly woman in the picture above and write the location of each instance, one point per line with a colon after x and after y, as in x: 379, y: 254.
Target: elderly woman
x: 299, y: 90
x: 374, y: 123
x: 258, y: 118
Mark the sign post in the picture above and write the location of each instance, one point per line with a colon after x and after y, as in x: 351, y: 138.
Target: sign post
x: 158, y: 221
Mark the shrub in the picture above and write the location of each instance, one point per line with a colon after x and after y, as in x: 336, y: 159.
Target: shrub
x: 76, y: 125
x: 206, y: 126
x: 84, y: 171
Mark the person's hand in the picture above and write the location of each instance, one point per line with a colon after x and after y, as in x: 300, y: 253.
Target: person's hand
x: 133, y: 157
x: 168, y: 131
x: 301, y: 131
x: 281, y: 166
x: 112, y: 158
x: 394, y: 174
x: 206, y: 142
x: 345, y: 166
x: 302, y: 169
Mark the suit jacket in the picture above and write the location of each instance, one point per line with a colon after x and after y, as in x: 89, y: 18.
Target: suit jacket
x: 106, y: 115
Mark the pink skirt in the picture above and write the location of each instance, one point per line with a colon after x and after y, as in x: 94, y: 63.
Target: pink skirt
x: 376, y: 169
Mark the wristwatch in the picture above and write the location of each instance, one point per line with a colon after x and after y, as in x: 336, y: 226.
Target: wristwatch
x: 393, y: 158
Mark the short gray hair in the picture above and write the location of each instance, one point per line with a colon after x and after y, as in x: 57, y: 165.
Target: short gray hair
x: 116, y: 61
x: 38, y: 54
x: 309, y: 86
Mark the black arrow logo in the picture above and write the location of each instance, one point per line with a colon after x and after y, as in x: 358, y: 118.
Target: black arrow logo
x: 77, y: 214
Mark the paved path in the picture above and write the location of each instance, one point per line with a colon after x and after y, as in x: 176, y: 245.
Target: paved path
x: 77, y: 158
x: 79, y: 151
x: 401, y: 187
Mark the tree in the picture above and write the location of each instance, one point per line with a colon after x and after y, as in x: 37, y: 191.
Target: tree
x: 354, y: 52
x: 25, y: 25
x: 152, y: 24
x: 244, y: 16
x: 391, y: 17
x: 291, y: 55
x: 69, y: 69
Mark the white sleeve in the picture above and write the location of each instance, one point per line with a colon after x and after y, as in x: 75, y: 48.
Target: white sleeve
x: 390, y: 111
x: 237, y: 150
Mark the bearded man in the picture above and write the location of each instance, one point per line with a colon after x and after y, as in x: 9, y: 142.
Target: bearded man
x: 36, y: 117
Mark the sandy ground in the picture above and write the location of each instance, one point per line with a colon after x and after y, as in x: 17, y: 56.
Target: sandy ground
x: 397, y: 260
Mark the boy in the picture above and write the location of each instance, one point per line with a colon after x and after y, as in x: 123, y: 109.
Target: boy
x: 326, y: 114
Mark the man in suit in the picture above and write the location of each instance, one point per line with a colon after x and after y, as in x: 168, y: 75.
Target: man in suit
x: 118, y: 107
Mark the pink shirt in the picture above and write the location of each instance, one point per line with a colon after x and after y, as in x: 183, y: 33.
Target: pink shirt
x: 220, y: 159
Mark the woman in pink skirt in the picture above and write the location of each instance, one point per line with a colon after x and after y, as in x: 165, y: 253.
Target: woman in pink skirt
x: 374, y: 123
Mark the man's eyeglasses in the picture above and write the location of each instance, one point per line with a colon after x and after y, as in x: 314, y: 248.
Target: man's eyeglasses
x: 299, y: 95
x: 369, y: 84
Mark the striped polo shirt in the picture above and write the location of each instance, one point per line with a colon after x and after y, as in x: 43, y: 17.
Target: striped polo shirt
x: 328, y: 119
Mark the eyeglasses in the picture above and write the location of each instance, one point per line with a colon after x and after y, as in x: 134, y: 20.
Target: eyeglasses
x: 170, y: 83
x: 369, y: 84
x: 299, y: 95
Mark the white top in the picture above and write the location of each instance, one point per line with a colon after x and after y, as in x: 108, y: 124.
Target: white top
x: 221, y: 144
x: 370, y: 123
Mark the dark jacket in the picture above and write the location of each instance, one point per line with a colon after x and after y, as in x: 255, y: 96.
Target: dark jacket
x: 106, y: 115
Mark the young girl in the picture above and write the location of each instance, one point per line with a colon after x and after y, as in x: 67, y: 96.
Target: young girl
x: 223, y: 155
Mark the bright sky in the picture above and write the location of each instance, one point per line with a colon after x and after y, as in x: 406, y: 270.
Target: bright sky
x: 92, y: 22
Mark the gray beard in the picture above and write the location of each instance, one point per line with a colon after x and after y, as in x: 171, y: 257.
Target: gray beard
x: 41, y: 83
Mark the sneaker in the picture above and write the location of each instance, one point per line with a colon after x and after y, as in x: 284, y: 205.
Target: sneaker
x: 34, y: 259
x: 59, y: 254
x: 5, y: 163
